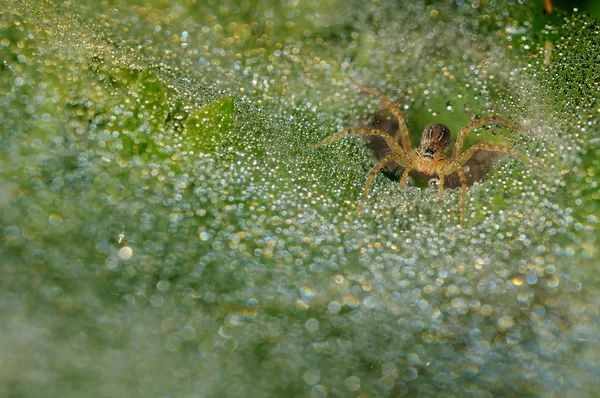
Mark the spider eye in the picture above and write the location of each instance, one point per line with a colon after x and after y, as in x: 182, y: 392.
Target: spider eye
x: 429, y: 152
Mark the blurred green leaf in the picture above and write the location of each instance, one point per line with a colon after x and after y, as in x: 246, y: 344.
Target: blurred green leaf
x: 167, y: 232
x: 211, y: 125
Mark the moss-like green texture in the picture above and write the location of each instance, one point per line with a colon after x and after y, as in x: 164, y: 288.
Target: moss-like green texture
x: 165, y: 230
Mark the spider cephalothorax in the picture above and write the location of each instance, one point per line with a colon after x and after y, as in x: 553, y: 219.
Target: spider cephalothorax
x: 430, y: 156
x: 434, y: 141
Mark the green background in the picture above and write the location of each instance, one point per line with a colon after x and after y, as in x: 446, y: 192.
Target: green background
x: 166, y: 231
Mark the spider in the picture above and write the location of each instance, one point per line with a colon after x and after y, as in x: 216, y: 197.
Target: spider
x: 429, y: 158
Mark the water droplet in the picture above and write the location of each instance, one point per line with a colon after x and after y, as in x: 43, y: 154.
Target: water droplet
x: 352, y: 383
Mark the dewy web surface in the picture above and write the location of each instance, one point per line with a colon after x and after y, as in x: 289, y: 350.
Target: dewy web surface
x: 167, y: 232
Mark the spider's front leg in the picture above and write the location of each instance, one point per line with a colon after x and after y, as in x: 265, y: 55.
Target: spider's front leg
x: 449, y: 169
x: 405, y: 174
x: 441, y: 178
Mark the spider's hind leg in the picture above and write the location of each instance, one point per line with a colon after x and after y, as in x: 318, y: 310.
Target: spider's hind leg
x: 460, y: 160
x: 464, y: 157
x: 462, y: 133
x: 402, y: 133
x: 463, y: 194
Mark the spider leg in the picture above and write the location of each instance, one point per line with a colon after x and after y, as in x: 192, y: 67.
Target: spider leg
x: 461, y: 159
x: 457, y: 163
x: 403, y: 130
x: 388, y: 138
x: 370, y: 178
x: 441, y: 184
x: 404, y: 176
x: 462, y: 134
x: 463, y: 194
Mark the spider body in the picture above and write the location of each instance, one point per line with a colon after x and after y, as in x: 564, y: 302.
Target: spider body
x: 431, y: 154
x: 430, y: 157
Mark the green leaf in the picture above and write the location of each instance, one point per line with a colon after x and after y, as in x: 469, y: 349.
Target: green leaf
x: 209, y: 127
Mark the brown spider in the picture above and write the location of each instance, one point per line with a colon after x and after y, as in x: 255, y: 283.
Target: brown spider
x: 429, y: 157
